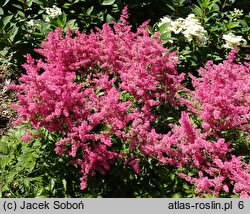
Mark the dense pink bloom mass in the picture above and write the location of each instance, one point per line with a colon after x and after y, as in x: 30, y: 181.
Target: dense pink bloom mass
x: 186, y: 146
x: 223, y: 93
x: 108, y: 79
x: 100, y: 88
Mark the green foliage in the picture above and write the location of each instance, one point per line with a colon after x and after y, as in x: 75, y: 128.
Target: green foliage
x: 155, y: 180
x: 32, y: 169
x: 218, y: 18
x: 177, y: 7
x: 240, y: 142
x: 23, y: 25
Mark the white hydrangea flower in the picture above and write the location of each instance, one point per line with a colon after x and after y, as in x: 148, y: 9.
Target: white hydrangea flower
x: 193, y: 30
x: 52, y: 12
x: 165, y: 19
x: 232, y: 41
x: 191, y: 19
x: 190, y: 27
x: 177, y: 25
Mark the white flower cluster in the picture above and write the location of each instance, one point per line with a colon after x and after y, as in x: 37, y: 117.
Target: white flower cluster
x: 236, y: 13
x: 52, y: 12
x: 190, y: 27
x: 31, y: 23
x: 232, y: 41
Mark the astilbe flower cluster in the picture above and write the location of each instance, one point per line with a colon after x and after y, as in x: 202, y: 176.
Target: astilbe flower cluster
x: 95, y: 87
x: 218, y: 170
x: 222, y: 95
x: 100, y: 88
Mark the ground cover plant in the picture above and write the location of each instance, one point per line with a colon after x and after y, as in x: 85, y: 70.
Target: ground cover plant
x: 116, y: 114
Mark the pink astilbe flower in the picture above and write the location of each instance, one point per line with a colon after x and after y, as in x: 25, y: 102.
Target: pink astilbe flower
x: 134, y: 162
x: 222, y: 95
x: 221, y: 175
x: 94, y: 87
x: 99, y: 88
x: 26, y: 138
x: 218, y: 170
x: 186, y: 145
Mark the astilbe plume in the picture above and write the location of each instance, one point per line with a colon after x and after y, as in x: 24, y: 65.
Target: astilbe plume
x: 222, y: 95
x: 218, y: 170
x: 221, y: 99
x: 95, y: 87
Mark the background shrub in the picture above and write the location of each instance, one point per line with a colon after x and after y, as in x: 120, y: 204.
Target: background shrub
x: 213, y: 20
x: 24, y: 24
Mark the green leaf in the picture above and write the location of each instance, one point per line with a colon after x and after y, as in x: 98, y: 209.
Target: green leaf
x: 197, y: 11
x: 21, y: 13
x: 18, y: 6
x: 108, y: 2
x: 3, y: 146
x: 163, y: 27
x: 243, y: 23
x: 231, y: 25
x: 13, y: 32
x: 64, y: 184
x: 7, y: 19
x: 52, y: 184
x: 39, y: 191
x: 4, y: 161
x: 67, y: 5
x: 176, y: 195
x: 29, y: 3
x: 166, y: 36
x: 38, y: 2
x: 3, y: 53
x: 107, y: 127
x: 89, y: 11
x: 109, y: 18
x: 5, y: 2
x: 60, y: 21
x: 71, y: 24
x: 170, y: 7
x: 216, y: 7
x: 1, y: 11
x: 26, y: 182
